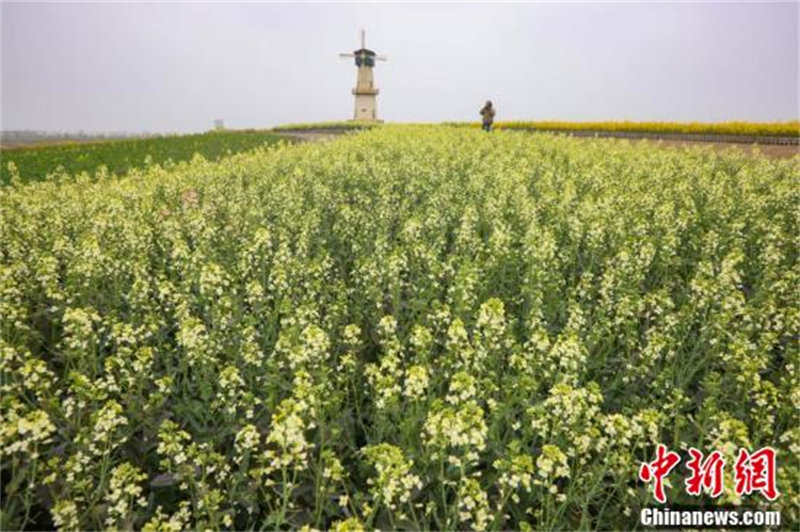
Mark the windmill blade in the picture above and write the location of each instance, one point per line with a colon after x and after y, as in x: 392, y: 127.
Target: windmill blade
x: 381, y: 58
x: 346, y: 55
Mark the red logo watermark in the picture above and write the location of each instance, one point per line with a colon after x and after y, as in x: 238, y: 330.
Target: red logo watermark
x: 659, y: 468
x: 706, y: 474
x: 756, y: 472
x: 752, y: 472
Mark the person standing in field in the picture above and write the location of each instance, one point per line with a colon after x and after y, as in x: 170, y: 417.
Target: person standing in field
x: 487, y: 113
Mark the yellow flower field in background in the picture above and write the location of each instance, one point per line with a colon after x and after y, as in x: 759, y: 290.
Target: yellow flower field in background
x: 790, y: 128
x: 755, y: 129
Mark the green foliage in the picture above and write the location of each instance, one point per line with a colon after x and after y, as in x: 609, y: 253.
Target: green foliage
x: 406, y: 328
x: 120, y: 156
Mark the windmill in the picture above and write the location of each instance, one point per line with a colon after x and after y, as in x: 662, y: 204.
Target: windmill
x: 365, y: 92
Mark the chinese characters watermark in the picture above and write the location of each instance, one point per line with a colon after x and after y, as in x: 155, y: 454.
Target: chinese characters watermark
x: 752, y: 472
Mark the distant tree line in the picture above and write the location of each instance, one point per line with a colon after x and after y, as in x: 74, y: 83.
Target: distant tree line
x: 30, y: 136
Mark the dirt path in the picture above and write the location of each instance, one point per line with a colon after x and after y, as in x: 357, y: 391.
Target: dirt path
x: 310, y: 136
x: 775, y: 151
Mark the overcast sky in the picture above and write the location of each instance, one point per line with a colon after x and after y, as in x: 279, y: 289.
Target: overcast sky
x: 163, y: 67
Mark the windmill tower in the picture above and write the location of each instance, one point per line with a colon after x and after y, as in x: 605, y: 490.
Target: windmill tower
x: 365, y: 92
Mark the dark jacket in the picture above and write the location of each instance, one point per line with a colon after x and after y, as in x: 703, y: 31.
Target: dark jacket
x: 488, y: 114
